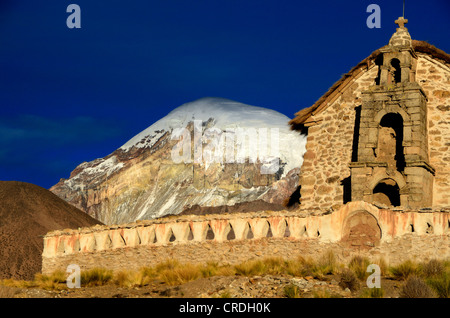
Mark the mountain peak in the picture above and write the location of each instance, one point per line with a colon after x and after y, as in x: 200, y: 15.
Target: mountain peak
x: 226, y: 113
x: 239, y: 146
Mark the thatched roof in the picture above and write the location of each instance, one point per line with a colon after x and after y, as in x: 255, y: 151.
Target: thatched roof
x: 301, y: 117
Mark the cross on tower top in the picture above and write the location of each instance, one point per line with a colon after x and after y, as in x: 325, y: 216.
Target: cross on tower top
x: 401, y: 22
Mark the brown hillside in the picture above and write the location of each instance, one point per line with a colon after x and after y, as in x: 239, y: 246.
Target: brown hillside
x: 27, y: 212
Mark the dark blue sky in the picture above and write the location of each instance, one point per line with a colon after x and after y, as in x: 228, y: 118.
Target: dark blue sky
x: 73, y: 95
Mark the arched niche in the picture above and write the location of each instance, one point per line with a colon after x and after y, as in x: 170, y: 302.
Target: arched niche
x: 361, y: 229
x: 387, y: 184
x: 395, y: 71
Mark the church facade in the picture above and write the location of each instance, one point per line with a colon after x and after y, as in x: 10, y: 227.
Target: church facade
x: 381, y: 134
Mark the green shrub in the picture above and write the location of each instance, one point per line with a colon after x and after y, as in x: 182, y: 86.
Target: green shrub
x: 405, y: 270
x: 441, y: 285
x: 373, y: 293
x: 291, y: 291
x: 225, y: 294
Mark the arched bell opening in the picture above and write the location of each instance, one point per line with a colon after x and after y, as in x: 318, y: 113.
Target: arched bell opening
x: 390, y: 141
x: 387, y: 192
x: 395, y: 72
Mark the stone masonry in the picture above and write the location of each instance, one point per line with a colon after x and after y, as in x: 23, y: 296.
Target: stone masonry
x: 382, y: 133
x: 234, y: 238
x: 392, y: 159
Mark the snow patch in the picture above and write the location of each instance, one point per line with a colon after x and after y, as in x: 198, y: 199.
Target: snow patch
x: 226, y: 114
x: 107, y: 166
x: 94, y: 169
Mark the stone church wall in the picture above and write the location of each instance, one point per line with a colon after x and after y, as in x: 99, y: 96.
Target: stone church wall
x: 325, y: 173
x: 434, y: 78
x: 325, y: 170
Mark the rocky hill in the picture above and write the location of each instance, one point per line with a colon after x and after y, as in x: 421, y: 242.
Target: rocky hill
x: 27, y: 213
x: 200, y: 154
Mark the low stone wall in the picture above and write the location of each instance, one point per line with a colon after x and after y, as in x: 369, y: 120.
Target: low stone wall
x: 234, y: 238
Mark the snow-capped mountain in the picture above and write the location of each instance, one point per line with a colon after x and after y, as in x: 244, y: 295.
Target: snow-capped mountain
x: 209, y: 152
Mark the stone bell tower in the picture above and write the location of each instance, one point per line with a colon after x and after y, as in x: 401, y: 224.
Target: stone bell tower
x: 391, y: 165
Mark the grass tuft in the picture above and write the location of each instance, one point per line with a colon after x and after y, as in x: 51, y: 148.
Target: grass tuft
x: 373, y: 293
x: 96, y: 277
x: 180, y: 274
x: 358, y: 265
x: 427, y: 279
x: 348, y: 279
x: 405, y: 270
x: 250, y: 268
x: 291, y: 291
x: 54, y: 281
x: 433, y: 268
x: 441, y: 285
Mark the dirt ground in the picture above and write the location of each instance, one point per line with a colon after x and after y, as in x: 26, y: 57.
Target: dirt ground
x: 267, y: 286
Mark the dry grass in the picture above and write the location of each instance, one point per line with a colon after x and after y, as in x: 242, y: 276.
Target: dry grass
x: 291, y: 291
x: 415, y: 287
x: 54, y: 281
x: 213, y: 269
x: 225, y: 294
x: 384, y: 268
x: 373, y: 293
x: 348, y: 279
x: 441, y: 285
x: 250, y: 268
x: 358, y: 265
x: 129, y: 279
x: 173, y: 273
x: 7, y: 291
x: 323, y: 293
x: 405, y: 270
x: 326, y: 265
x: 96, y: 277
x: 300, y: 266
x: 427, y: 279
x: 180, y: 274
x: 432, y: 268
x: 265, y: 266
x: 17, y: 283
